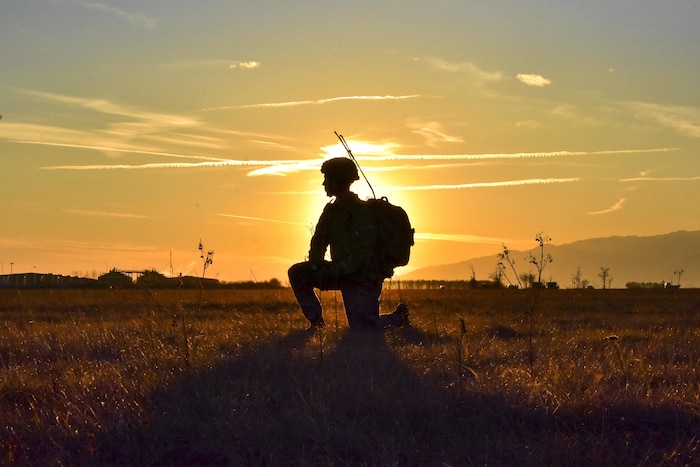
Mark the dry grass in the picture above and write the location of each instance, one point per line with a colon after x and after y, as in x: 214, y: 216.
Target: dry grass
x: 489, y: 377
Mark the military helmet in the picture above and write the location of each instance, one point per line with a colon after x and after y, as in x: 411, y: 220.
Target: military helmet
x: 340, y: 168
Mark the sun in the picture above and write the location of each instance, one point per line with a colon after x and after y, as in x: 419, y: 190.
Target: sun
x: 359, y: 148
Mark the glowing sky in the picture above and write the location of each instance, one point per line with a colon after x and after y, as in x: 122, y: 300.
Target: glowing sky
x: 132, y: 129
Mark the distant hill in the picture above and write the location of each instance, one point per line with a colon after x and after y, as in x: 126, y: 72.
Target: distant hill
x: 629, y: 259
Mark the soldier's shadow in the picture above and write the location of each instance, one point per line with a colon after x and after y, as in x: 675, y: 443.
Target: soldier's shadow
x: 339, y: 398
x: 321, y: 398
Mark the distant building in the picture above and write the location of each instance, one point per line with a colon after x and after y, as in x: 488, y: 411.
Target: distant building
x: 115, y: 280
x: 43, y: 281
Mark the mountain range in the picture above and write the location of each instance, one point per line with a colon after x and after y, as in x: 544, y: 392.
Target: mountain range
x: 656, y: 258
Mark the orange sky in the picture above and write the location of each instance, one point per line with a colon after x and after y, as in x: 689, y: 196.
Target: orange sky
x: 130, y: 132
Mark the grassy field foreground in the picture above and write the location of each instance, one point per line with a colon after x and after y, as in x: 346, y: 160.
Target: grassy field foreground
x: 488, y: 377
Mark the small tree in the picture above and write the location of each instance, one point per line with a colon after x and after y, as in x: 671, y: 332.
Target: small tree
x: 504, y: 258
x: 527, y: 278
x: 541, y: 262
x: 679, y: 273
x: 497, y: 277
x: 208, y: 259
x: 604, y: 274
x: 576, y: 279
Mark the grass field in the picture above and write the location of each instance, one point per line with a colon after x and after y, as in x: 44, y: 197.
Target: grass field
x: 483, y: 377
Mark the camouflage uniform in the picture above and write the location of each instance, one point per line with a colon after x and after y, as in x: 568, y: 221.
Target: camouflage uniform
x: 348, y: 227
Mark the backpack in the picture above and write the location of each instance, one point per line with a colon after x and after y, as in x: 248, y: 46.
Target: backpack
x: 394, y: 236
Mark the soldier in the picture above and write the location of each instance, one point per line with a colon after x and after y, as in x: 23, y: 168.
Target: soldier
x: 348, y: 227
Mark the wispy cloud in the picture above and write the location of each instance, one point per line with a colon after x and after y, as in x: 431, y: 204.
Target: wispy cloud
x: 514, y: 155
x: 272, y: 105
x: 616, y: 207
x: 116, y: 149
x: 478, y: 75
x: 461, y: 238
x: 287, y: 167
x: 116, y: 127
x: 660, y: 179
x: 249, y: 65
x: 461, y: 186
x: 75, y: 248
x: 162, y: 165
x: 107, y: 107
x: 262, y: 219
x: 581, y: 118
x: 119, y: 215
x: 282, y: 167
x: 135, y: 18
x: 434, y: 133
x: 211, y: 63
x: 291, y: 166
x: 682, y: 119
x: 533, y: 80
x: 528, y: 124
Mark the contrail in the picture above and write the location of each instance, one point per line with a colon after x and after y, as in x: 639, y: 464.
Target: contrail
x: 165, y: 165
x: 516, y: 155
x: 311, y: 102
x: 659, y: 179
x: 281, y: 167
x: 129, y: 151
x: 461, y: 238
x: 82, y: 212
x: 616, y: 207
x: 262, y: 219
x: 531, y: 181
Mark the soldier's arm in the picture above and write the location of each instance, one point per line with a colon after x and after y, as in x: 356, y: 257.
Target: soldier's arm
x: 320, y: 239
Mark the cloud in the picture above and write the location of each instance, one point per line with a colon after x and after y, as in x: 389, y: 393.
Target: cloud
x: 211, y: 63
x: 272, y: 105
x: 163, y: 165
x: 111, y: 108
x: 120, y: 215
x: 580, y: 118
x: 533, y: 80
x: 478, y: 75
x: 135, y: 18
x: 262, y: 219
x: 250, y: 65
x: 117, y: 127
x: 461, y: 238
x: 616, y: 207
x: 282, y: 167
x: 660, y: 179
x: 287, y: 167
x: 528, y: 124
x: 460, y: 186
x: 434, y: 133
x: 76, y: 248
x: 682, y: 119
x: 117, y: 149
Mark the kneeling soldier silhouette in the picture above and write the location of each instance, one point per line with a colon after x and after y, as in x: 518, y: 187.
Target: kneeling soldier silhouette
x: 347, y: 226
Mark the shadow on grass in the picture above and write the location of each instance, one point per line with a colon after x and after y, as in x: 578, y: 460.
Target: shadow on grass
x: 349, y: 399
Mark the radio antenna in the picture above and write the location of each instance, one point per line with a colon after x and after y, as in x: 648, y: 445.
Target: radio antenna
x: 347, y: 148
